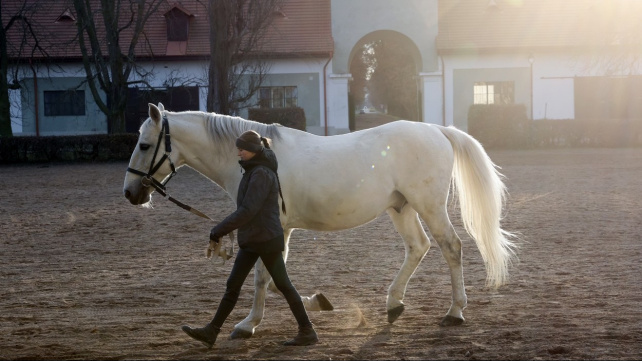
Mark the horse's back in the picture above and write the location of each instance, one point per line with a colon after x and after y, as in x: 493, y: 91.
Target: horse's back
x: 405, y: 135
x: 346, y: 180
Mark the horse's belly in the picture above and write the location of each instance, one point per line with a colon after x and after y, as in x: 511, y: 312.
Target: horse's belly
x: 347, y: 211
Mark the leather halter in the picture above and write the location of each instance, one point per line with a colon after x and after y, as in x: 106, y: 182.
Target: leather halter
x: 148, y: 178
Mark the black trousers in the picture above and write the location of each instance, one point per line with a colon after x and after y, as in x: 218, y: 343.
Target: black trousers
x: 275, y: 265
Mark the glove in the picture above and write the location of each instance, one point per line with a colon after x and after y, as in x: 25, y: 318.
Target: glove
x: 215, y: 244
x: 214, y: 248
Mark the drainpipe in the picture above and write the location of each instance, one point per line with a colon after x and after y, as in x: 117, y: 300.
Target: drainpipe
x: 35, y: 91
x: 530, y: 60
x: 443, y: 92
x: 325, y: 94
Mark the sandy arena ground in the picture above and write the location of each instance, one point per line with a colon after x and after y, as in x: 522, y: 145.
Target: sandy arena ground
x: 86, y: 275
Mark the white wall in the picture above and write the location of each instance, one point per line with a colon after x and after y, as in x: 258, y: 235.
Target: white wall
x: 15, y: 111
x: 475, y: 61
x: 167, y: 73
x: 553, y: 78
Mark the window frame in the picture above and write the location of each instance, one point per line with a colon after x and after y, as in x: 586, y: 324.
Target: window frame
x: 274, y: 97
x: 177, y: 26
x: 64, y: 103
x: 494, y: 92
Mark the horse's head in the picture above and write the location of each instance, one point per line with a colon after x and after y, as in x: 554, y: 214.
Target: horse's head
x: 150, y: 164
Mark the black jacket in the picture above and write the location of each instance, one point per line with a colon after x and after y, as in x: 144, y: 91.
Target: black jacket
x: 257, y: 216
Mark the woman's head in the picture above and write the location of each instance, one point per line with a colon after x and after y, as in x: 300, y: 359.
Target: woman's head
x: 249, y: 143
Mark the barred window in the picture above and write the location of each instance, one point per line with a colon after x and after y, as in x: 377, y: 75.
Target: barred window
x: 278, y: 97
x: 494, y: 92
x: 64, y: 103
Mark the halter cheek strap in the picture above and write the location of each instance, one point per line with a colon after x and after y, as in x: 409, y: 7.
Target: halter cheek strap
x: 148, y: 178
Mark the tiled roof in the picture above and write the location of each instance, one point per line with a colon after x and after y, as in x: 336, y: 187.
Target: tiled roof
x: 506, y: 24
x: 304, y: 30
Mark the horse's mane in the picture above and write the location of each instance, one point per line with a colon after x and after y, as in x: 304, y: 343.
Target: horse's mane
x: 224, y: 129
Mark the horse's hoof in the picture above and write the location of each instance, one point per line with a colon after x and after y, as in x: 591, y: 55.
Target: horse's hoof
x: 324, y: 304
x: 451, y: 321
x: 238, y: 333
x: 394, y: 313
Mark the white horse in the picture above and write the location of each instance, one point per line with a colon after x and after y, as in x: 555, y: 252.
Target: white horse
x: 343, y: 181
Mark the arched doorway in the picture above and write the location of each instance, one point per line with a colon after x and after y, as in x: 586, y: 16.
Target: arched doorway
x: 385, y: 87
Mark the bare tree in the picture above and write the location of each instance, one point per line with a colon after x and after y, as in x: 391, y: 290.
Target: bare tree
x: 393, y: 81
x: 108, y: 67
x: 238, y: 30
x: 613, y: 37
x: 24, y: 44
x: 360, y: 69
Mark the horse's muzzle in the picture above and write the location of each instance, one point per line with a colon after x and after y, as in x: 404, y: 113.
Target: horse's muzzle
x: 139, y: 197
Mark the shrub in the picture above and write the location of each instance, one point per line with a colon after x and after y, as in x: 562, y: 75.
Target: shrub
x: 500, y: 126
x: 289, y: 117
x: 92, y: 148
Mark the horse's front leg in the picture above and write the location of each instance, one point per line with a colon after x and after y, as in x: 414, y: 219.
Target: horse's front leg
x: 245, y: 328
x: 316, y: 302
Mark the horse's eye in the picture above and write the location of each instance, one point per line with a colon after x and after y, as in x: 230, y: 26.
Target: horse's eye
x: 144, y: 146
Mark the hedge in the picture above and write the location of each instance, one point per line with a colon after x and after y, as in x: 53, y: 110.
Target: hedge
x: 290, y: 117
x: 587, y: 133
x: 87, y: 148
x: 507, y: 126
x: 499, y: 126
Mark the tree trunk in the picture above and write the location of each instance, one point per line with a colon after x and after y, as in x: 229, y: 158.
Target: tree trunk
x: 5, y: 106
x: 218, y: 95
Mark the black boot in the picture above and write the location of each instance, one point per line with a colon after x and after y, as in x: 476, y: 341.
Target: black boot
x: 207, y: 335
x: 306, y: 336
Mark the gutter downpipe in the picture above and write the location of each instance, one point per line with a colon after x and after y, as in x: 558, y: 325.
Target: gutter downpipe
x: 443, y: 91
x: 325, y: 94
x: 35, y: 91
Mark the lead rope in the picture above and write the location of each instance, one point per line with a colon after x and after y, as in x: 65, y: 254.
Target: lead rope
x: 214, y: 248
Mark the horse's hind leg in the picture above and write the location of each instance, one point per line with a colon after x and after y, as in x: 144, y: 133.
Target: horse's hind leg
x: 416, y: 244
x: 444, y: 234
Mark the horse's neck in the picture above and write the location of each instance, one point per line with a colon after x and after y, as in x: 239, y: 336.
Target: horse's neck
x: 198, y: 152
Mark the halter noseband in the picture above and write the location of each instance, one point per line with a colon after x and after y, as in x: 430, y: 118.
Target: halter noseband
x: 148, y: 178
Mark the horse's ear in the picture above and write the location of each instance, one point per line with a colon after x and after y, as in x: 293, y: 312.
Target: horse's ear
x: 161, y: 107
x: 154, y: 112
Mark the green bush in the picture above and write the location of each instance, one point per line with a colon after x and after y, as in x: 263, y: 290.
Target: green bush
x: 288, y: 117
x: 500, y: 126
x: 88, y: 148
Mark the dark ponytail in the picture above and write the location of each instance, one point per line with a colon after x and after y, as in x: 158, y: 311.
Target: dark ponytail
x: 266, y: 142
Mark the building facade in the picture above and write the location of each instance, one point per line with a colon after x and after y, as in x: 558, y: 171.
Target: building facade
x: 561, y: 59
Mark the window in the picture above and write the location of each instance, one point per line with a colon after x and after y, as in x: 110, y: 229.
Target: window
x: 278, y: 97
x: 494, y: 92
x: 177, y: 25
x: 64, y: 103
x: 66, y: 17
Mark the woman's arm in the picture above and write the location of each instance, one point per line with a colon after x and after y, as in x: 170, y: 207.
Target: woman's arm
x: 257, y: 192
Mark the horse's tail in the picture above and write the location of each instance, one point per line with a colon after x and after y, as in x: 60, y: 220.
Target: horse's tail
x: 482, y: 194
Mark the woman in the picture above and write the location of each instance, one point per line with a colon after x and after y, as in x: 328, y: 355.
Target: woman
x: 260, y: 235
